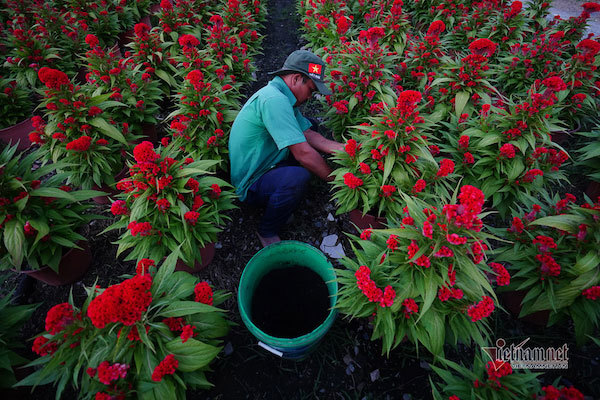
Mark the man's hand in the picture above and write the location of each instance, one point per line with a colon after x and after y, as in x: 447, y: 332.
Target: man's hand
x: 310, y: 159
x: 318, y: 142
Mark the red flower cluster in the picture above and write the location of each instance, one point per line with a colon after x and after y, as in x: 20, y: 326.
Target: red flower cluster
x: 566, y: 393
x: 507, y: 150
x: 58, y: 317
x: 592, y: 293
x: 119, y: 207
x: 166, y: 367
x: 42, y: 346
x: 144, y: 152
x: 351, y: 147
x: 140, y: 228
x: 187, y: 333
x: 465, y: 213
x: 502, y: 275
x: 548, y: 267
x: 352, y: 181
x: 410, y: 307
x: 81, y: 144
x: 188, y: 41
x: 446, y: 167
x: 385, y: 297
x: 203, y: 293
x: 388, y: 190
x: 482, y: 309
x: 143, y: 266
x: 108, y: 373
x: 482, y: 47
x: 191, y: 217
x: 124, y: 302
x: 53, y: 78
x: 497, y: 369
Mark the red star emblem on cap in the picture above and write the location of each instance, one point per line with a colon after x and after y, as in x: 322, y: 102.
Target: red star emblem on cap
x: 314, y: 69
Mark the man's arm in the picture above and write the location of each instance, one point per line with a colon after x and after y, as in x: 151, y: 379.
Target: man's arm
x: 318, y: 142
x: 310, y: 159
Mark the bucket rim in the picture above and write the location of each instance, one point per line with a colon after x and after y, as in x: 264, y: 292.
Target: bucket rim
x: 298, y: 341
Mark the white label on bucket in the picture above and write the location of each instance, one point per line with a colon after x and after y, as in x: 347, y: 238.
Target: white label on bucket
x: 269, y: 348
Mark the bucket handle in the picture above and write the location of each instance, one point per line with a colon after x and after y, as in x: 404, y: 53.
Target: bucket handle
x: 270, y: 349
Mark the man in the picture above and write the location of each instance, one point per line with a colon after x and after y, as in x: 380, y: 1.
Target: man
x: 272, y: 147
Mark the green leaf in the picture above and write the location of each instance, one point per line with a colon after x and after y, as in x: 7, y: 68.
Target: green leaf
x: 52, y: 192
x: 460, y: 101
x: 564, y: 222
x: 192, y: 354
x: 108, y: 129
x: 183, y: 308
x: 14, y: 239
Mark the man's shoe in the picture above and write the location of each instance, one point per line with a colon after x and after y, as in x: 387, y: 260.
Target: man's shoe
x: 265, y: 241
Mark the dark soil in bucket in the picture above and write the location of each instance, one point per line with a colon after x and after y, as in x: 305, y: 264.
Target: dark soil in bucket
x: 290, y: 302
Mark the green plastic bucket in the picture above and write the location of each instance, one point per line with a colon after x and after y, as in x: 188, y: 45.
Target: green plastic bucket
x: 278, y: 255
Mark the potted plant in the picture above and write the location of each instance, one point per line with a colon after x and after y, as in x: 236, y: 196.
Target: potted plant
x: 388, y: 157
x: 12, y: 318
x: 169, y: 202
x: 129, y: 87
x: 485, y: 379
x: 554, y: 261
x: 80, y: 131
x: 424, y: 278
x: 15, y: 113
x: 152, y: 336
x: 40, y: 218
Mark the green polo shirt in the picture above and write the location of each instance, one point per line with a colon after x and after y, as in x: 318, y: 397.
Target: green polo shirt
x: 264, y: 128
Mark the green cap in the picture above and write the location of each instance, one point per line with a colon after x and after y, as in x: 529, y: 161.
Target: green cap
x: 307, y: 63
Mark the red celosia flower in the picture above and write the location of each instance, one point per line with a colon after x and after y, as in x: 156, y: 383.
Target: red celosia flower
x: 108, y: 373
x: 144, y: 152
x: 463, y: 142
x: 92, y: 40
x: 555, y: 83
x: 387, y: 190
x: 545, y: 243
x: 140, y: 228
x: 364, y: 168
x: 548, y: 267
x: 453, y: 238
x: 482, y: 309
x: 392, y: 242
x: 174, y: 324
x: 446, y: 167
x: 94, y: 110
x: 193, y: 185
x: 502, y: 275
x: 507, y: 150
x: 482, y: 47
x: 427, y: 229
x: 188, y: 332
x: 419, y: 186
x: 215, y: 191
x: 407, y: 101
x: 410, y: 307
x: 119, y: 207
x: 343, y: 24
x: 188, y: 41
x: 53, y: 78
x: 81, y: 144
x: 166, y: 367
x: 203, y: 293
x: 191, y: 217
x: 58, y: 317
x: 591, y: 7
x: 497, y: 369
x: 592, y: 293
x: 352, y: 181
x: 436, y: 28
x: 468, y: 158
x: 124, y: 302
x: 532, y: 174
x: 141, y: 30
x: 163, y: 205
x: 143, y: 266
x: 42, y: 346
